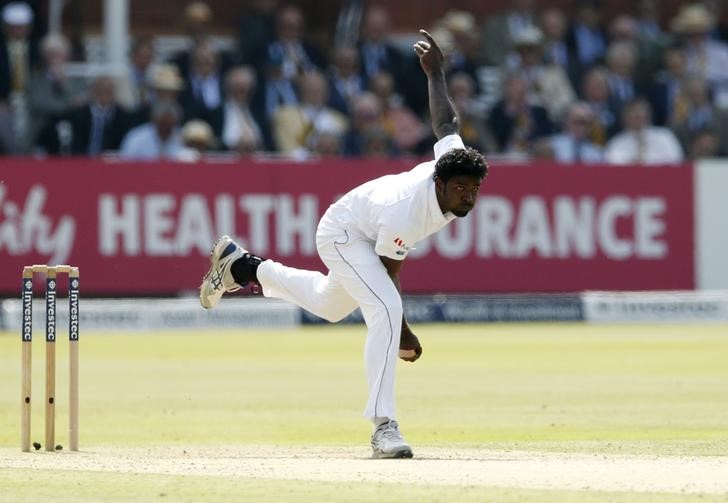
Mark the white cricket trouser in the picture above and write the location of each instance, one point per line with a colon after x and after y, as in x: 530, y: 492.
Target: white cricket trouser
x: 356, y: 278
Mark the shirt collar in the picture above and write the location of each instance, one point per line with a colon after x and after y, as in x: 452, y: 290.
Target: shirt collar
x: 435, y: 214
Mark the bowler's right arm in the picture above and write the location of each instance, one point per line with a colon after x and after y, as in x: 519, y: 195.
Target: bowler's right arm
x: 444, y: 119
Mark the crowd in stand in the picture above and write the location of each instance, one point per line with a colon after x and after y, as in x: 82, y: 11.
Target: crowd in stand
x: 574, y: 88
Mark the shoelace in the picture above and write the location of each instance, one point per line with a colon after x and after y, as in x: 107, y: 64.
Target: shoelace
x: 391, y: 432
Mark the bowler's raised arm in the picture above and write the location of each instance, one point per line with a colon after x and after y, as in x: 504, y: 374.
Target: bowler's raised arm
x: 444, y: 119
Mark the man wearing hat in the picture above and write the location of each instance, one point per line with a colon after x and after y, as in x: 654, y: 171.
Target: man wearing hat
x: 548, y: 84
x: 18, y: 53
x: 706, y: 57
x: 165, y: 83
x: 496, y: 37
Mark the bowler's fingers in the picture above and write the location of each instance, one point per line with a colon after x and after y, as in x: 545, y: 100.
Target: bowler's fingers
x: 410, y: 355
x: 407, y: 354
x: 429, y: 38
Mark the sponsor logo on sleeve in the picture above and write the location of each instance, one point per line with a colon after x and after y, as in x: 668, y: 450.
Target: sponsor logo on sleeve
x: 403, y: 248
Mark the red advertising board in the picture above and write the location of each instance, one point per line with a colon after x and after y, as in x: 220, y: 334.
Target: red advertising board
x: 146, y: 228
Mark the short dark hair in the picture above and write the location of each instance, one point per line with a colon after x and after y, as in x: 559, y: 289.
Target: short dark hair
x: 459, y: 162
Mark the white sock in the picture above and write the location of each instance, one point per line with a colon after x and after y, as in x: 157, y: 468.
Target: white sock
x: 378, y: 421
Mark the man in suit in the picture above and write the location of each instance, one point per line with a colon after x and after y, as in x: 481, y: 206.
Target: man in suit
x: 496, y: 36
x: 238, y: 123
x: 621, y: 64
x: 203, y: 91
x: 345, y: 80
x: 100, y: 125
x: 296, y: 56
x: 573, y: 145
x: 257, y: 30
x: 51, y: 92
x: 665, y: 92
x: 555, y: 50
x: 295, y: 127
x: 377, y: 54
x: 198, y: 18
x: 586, y: 37
x: 595, y: 93
x: 515, y: 122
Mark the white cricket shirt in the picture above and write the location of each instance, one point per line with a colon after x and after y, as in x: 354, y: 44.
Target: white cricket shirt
x: 394, y: 211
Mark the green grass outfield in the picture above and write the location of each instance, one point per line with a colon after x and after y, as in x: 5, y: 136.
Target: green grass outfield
x: 642, y: 390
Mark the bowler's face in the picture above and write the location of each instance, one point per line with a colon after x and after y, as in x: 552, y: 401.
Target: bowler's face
x: 459, y: 194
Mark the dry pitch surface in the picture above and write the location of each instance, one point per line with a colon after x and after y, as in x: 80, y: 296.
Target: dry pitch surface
x: 432, y: 466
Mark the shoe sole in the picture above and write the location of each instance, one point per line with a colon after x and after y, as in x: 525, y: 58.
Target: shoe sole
x: 403, y: 454
x: 213, y: 264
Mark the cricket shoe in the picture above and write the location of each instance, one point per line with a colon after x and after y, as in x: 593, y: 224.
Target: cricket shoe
x: 219, y: 278
x: 387, y: 442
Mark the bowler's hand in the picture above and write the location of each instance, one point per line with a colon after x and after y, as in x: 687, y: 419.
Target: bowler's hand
x: 431, y: 58
x: 409, y: 347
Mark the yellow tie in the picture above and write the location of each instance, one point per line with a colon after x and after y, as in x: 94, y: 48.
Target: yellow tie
x: 18, y: 77
x: 641, y: 147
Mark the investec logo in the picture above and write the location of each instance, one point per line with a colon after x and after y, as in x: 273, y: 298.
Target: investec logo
x: 28, y: 311
x: 51, y: 311
x: 73, y: 315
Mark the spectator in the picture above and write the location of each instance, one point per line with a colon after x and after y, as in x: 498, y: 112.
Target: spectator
x: 289, y: 50
x: 706, y: 57
x: 719, y: 31
x: 197, y: 21
x: 461, y: 57
x: 705, y: 144
x: 668, y: 84
x: 555, y: 51
x: 366, y: 117
x: 165, y: 84
x: 6, y: 132
x: 586, y: 37
x: 158, y: 139
x: 496, y: 36
x: 51, y: 93
x: 648, y: 21
x: 698, y: 114
x: 93, y: 128
x: 197, y: 140
x: 573, y: 145
x: 473, y: 128
x: 326, y: 144
x: 257, y: 31
x: 404, y: 128
x: 134, y: 90
x: 345, y: 80
x: 293, y: 126
x: 640, y: 142
x: 241, y: 128
x: 595, y: 93
x: 376, y: 54
x: 278, y: 91
x: 648, y: 52
x: 621, y: 61
x: 203, y: 92
x: 377, y: 144
x: 548, y: 85
x: 18, y: 52
x: 542, y: 150
x: 514, y: 121
x: 18, y: 56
